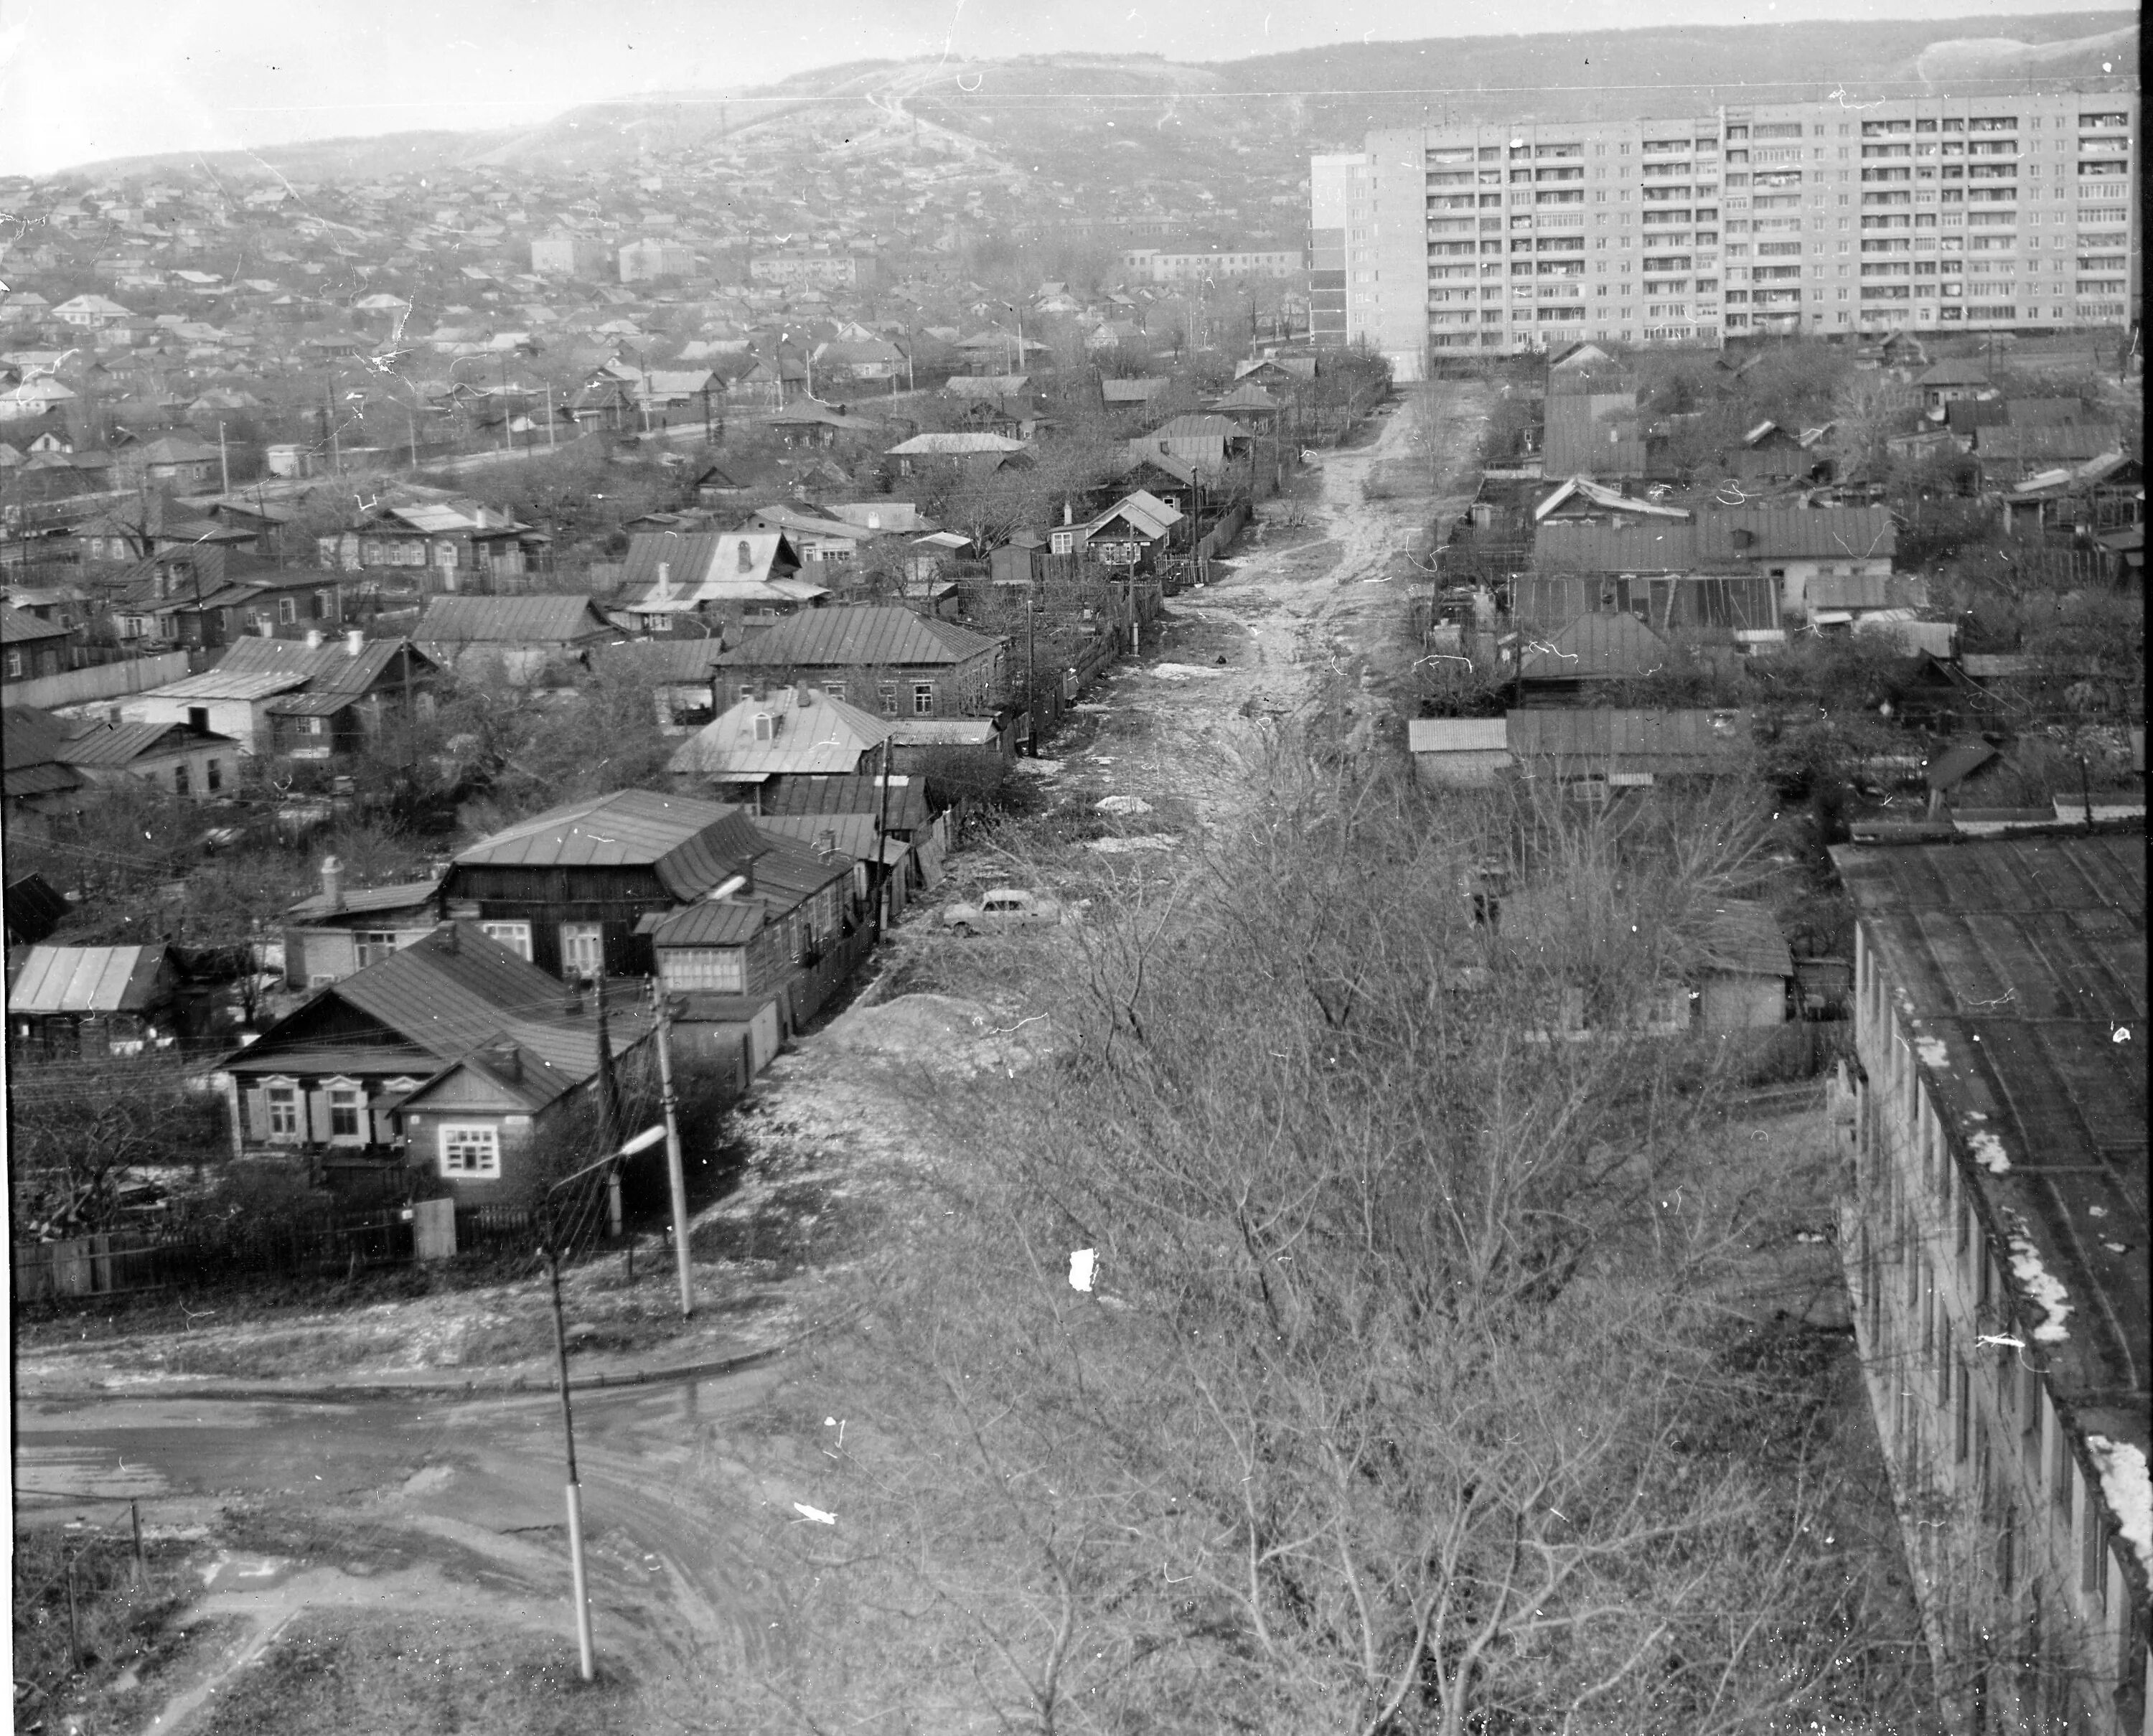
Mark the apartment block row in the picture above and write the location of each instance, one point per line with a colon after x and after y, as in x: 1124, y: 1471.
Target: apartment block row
x: 2010, y: 212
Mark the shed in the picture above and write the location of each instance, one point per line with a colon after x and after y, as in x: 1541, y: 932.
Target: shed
x: 1740, y: 968
x: 65, y: 1000
x: 1458, y: 752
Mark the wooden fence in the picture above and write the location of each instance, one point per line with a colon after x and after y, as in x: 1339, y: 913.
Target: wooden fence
x: 125, y: 1261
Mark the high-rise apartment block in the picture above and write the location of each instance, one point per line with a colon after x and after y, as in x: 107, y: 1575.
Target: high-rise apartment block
x: 2011, y: 212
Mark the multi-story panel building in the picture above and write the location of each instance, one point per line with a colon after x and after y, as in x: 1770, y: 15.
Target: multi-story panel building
x: 1148, y: 265
x: 1992, y: 1229
x: 644, y: 260
x: 817, y: 271
x: 1936, y: 213
x: 1337, y: 201
x: 562, y: 253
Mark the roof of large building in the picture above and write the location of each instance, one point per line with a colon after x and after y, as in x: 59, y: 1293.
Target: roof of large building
x: 871, y: 636
x: 692, y: 844
x: 2017, y: 968
x: 84, y: 979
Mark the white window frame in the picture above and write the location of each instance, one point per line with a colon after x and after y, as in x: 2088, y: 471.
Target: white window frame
x: 296, y: 1133
x: 573, y: 934
x: 475, y: 1146
x: 354, y: 1089
x: 923, y: 698
x: 287, y: 611
x: 514, y: 935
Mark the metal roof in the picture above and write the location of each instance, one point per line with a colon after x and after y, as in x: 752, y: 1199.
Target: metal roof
x: 1457, y: 735
x: 720, y: 921
x: 682, y: 659
x: 825, y: 734
x: 85, y: 979
x: 1630, y: 740
x: 1742, y: 937
x: 693, y: 844
x: 2015, y: 966
x: 121, y: 744
x: 853, y: 835
x: 1719, y: 538
x: 218, y: 684
x: 18, y: 627
x: 563, y: 620
x: 331, y: 667
x: 865, y: 637
x: 695, y: 560
x: 957, y: 444
x: 452, y: 993
x: 367, y: 900
x: 823, y: 797
x: 1593, y: 648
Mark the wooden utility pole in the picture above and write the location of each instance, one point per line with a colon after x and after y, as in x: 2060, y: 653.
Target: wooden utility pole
x: 578, y: 1577
x: 881, y: 831
x: 676, y: 1175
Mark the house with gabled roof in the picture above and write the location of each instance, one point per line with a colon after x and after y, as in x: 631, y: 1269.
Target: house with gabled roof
x: 324, y: 702
x: 887, y: 661
x: 447, y: 1057
x: 700, y: 582
x: 766, y: 740
x: 1132, y: 534
x: 80, y: 1001
x: 521, y: 636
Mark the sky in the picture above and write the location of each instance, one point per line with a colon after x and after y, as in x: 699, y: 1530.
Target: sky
x: 81, y: 80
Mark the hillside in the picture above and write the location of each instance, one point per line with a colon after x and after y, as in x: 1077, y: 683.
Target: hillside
x: 1085, y: 121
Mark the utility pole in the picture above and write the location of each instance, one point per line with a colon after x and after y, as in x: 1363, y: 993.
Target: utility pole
x: 881, y: 834
x: 676, y: 1176
x: 223, y: 458
x: 578, y: 1578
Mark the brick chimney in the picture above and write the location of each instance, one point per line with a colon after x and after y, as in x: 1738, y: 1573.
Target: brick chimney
x: 314, y: 638
x: 333, y: 881
x: 746, y: 557
x: 804, y: 696
x: 825, y: 844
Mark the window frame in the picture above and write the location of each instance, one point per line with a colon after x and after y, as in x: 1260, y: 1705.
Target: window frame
x: 482, y: 1142
x: 355, y: 1108
x: 514, y: 935
x: 283, y: 1099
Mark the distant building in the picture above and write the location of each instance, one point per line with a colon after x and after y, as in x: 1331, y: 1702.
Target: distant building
x: 641, y: 261
x: 814, y: 271
x: 1148, y: 265
x: 562, y: 253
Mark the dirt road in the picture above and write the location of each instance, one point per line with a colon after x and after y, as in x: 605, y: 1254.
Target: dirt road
x: 1306, y: 616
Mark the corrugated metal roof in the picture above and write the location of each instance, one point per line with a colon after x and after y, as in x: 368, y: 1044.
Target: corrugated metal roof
x: 693, y: 560
x: 688, y: 658
x: 1719, y: 539
x: 956, y: 444
x: 311, y: 705
x: 511, y: 620
x: 825, y: 735
x: 1630, y: 740
x: 1456, y: 735
x: 866, y: 637
x: 368, y: 900
x: 817, y: 798
x: 721, y: 922
x: 18, y: 627
x: 693, y: 844
x: 2013, y: 965
x: 84, y: 980
x: 218, y: 685
x: 121, y: 744
x: 853, y: 835
x: 1593, y: 648
x: 331, y: 667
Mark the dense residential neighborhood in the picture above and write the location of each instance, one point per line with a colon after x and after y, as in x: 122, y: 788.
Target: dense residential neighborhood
x: 1121, y: 979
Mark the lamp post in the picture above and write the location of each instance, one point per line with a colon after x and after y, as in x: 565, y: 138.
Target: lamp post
x: 552, y: 1252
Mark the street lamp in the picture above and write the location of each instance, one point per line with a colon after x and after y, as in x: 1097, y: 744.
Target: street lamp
x: 551, y: 1254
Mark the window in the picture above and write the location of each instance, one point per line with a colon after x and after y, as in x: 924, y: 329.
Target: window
x: 215, y: 776
x: 470, y: 1150
x: 515, y: 936
x: 886, y: 697
x: 283, y: 1100
x: 583, y: 949
x: 14, y: 665
x: 923, y: 698
x: 325, y: 605
x: 369, y: 946
x: 180, y: 779
x: 287, y: 610
x: 347, y: 1103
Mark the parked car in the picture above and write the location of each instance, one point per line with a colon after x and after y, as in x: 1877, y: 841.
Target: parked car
x: 1004, y: 907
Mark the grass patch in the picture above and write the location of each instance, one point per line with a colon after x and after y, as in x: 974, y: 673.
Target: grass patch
x: 417, y: 1676
x: 123, y: 1630
x: 797, y: 1224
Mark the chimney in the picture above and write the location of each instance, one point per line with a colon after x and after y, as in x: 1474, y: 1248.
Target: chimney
x: 333, y: 881
x: 663, y: 592
x: 505, y: 1056
x: 354, y: 641
x: 825, y: 844
x: 1068, y: 512
x: 746, y: 557
x: 804, y: 696
x: 449, y: 944
x: 314, y: 638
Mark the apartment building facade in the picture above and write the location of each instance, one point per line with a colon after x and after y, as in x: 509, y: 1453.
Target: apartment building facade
x: 1993, y: 1231
x: 1338, y: 225
x: 1148, y: 265
x: 1999, y: 213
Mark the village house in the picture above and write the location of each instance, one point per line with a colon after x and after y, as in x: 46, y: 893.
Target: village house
x: 521, y: 637
x: 70, y: 1002
x: 341, y: 929
x: 884, y: 660
x: 30, y: 648
x: 175, y: 757
x: 711, y: 581
x: 446, y: 1058
x: 442, y: 544
x: 767, y: 741
x: 324, y: 702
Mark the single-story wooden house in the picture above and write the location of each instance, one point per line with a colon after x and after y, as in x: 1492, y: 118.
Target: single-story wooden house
x: 70, y: 1001
x: 339, y: 930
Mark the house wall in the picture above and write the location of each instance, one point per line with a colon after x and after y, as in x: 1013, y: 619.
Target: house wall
x: 1460, y: 769
x: 313, y: 956
x: 454, y: 1106
x: 616, y: 898
x: 1977, y: 1449
x: 241, y: 719
x: 1727, y: 1001
x: 1793, y: 578
x: 159, y: 769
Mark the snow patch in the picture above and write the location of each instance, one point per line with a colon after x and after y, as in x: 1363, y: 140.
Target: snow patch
x: 1932, y: 1054
x: 1124, y: 846
x: 1989, y: 1152
x: 1038, y: 768
x: 1122, y: 805
x: 2041, y: 1288
x: 2128, y: 1491
x: 1185, y: 672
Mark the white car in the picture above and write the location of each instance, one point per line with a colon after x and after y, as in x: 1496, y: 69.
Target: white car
x: 1004, y: 907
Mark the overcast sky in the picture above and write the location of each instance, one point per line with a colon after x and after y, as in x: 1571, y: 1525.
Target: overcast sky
x: 84, y: 79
